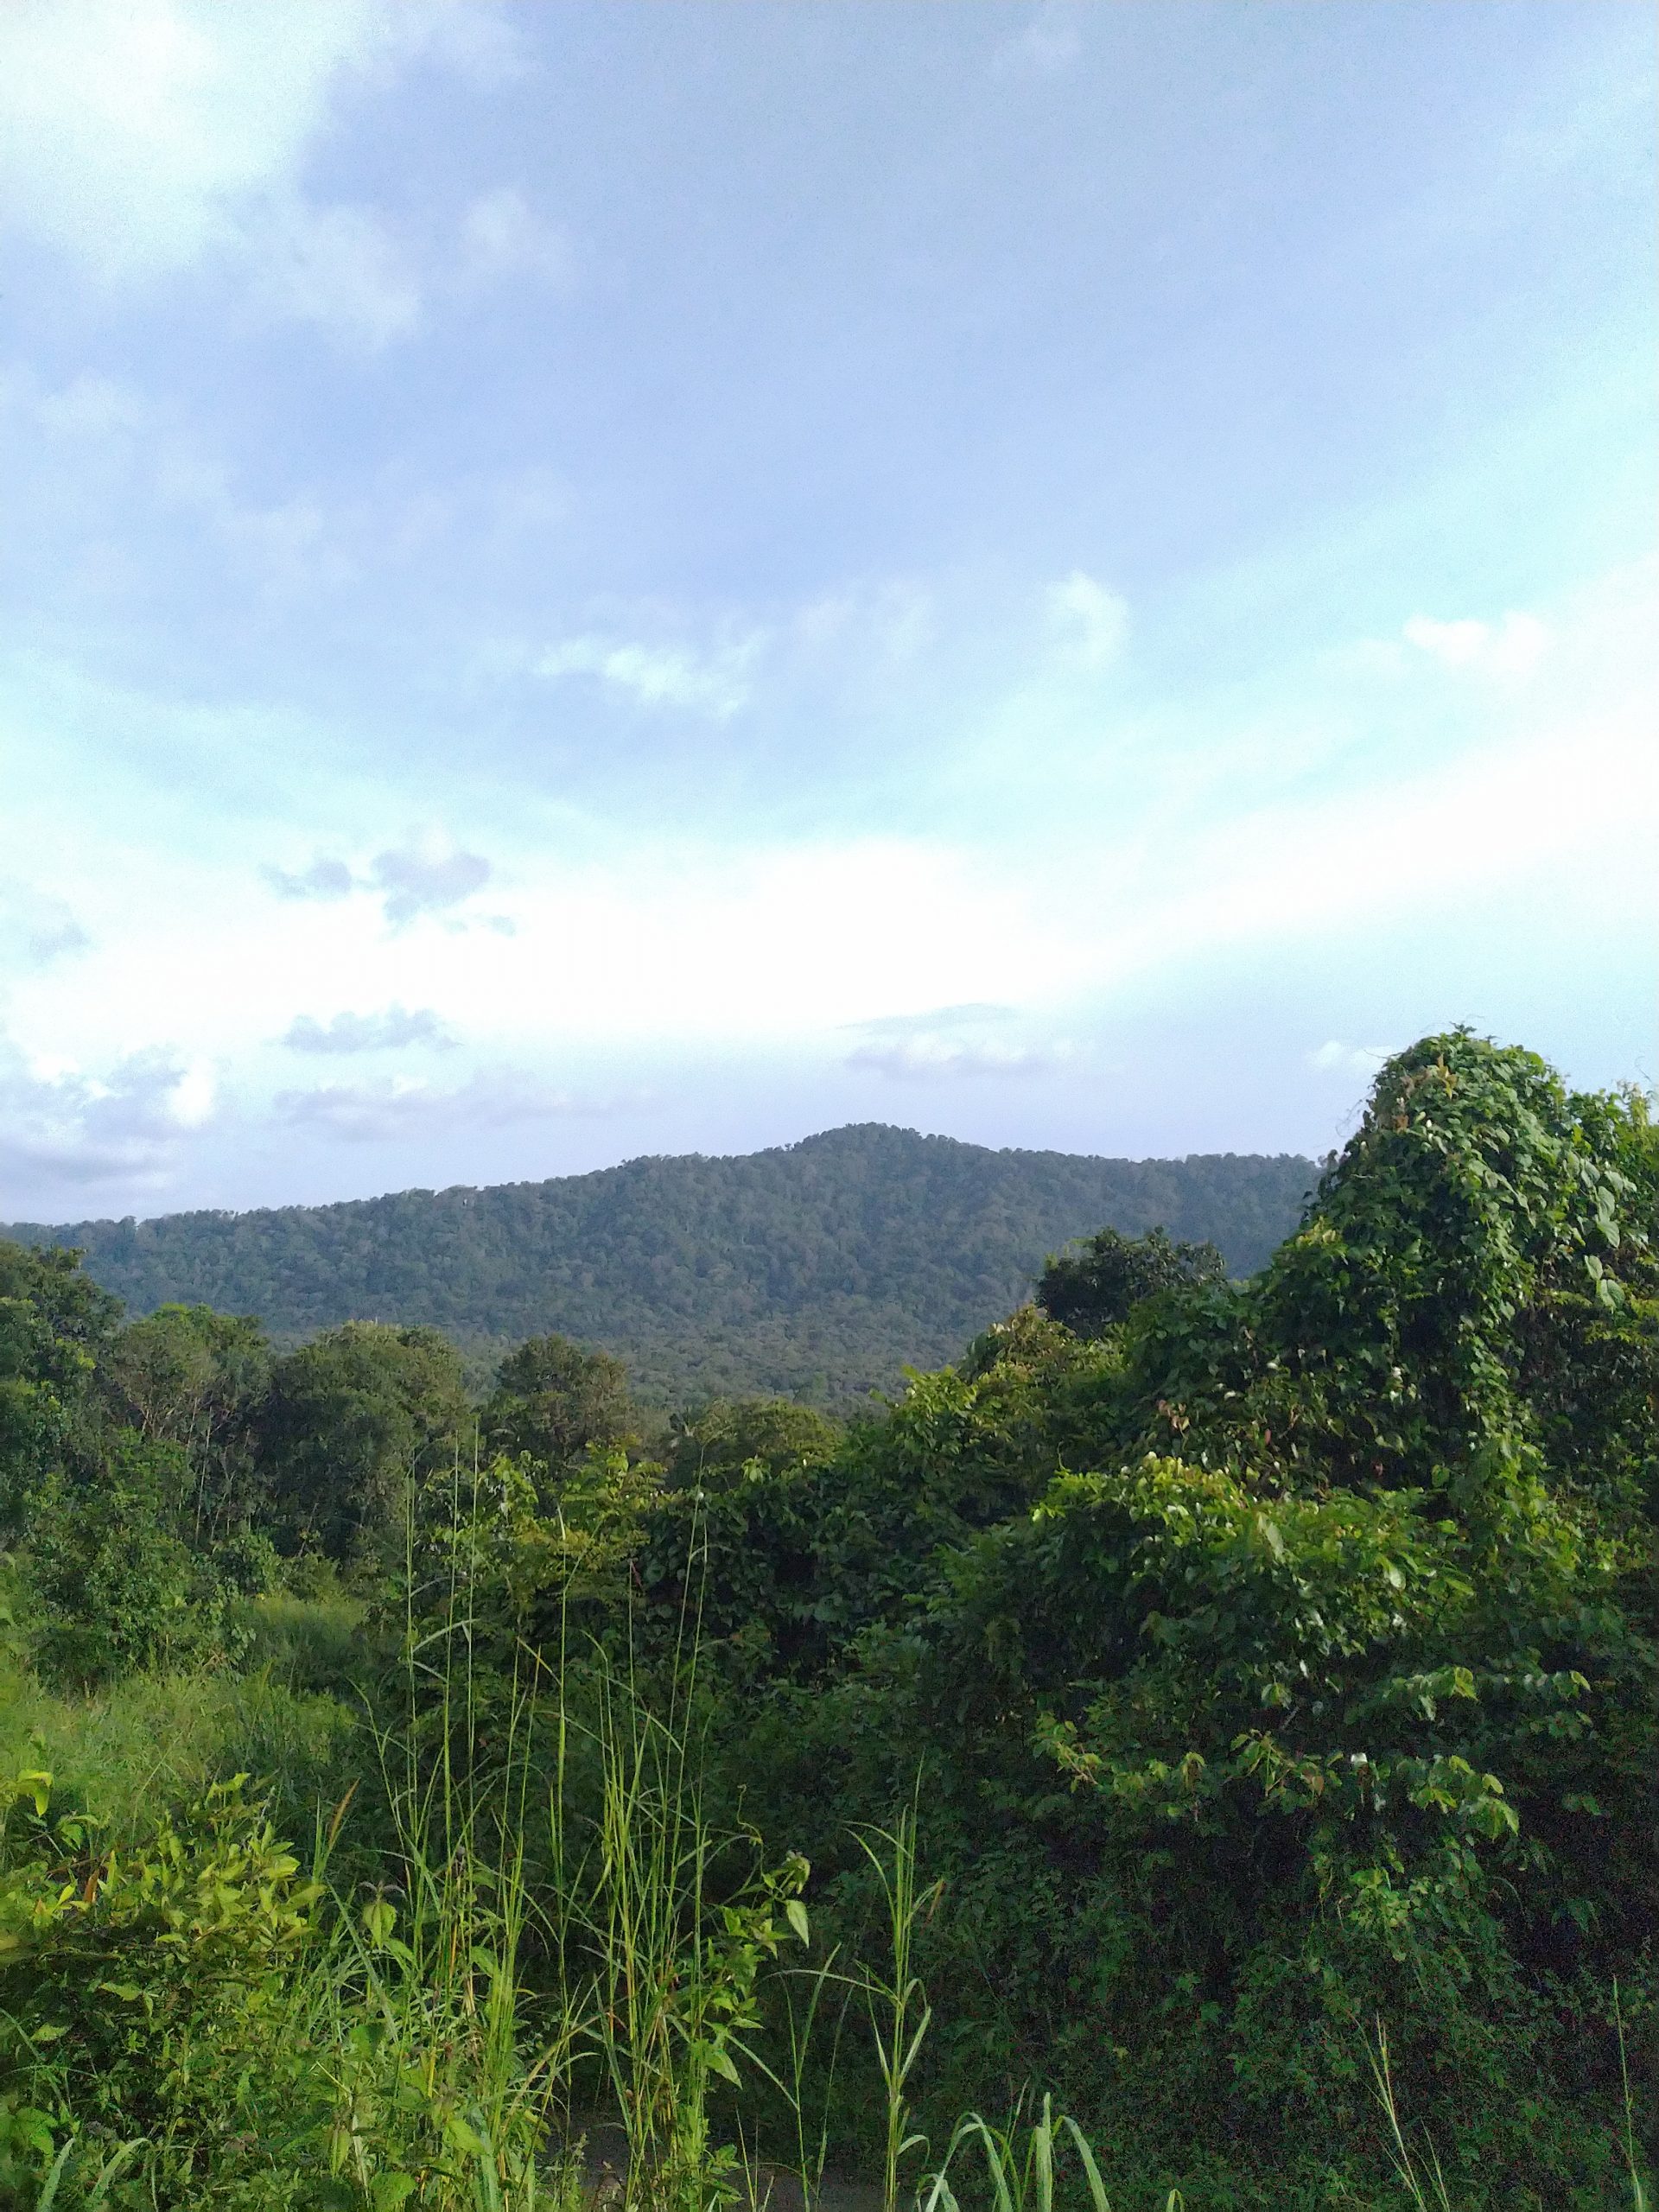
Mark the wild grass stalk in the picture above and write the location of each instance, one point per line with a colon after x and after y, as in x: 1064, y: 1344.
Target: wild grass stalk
x: 1639, y: 2188
x: 900, y: 2014
x: 667, y: 1930
x: 1418, y: 2184
x: 1021, y: 2175
x: 444, y: 2070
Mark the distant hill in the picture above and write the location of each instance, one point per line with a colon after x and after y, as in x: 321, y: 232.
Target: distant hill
x: 820, y: 1267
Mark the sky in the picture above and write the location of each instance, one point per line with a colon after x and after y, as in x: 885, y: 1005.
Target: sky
x: 588, y: 580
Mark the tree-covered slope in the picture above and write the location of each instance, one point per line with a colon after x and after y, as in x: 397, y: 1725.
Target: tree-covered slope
x: 820, y: 1266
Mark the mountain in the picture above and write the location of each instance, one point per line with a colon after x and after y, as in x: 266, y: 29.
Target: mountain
x: 819, y: 1268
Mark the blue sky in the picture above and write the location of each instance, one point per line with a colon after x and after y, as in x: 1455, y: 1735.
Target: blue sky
x: 596, y: 579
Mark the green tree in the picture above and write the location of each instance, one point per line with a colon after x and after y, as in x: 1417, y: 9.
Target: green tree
x: 1481, y: 1253
x: 732, y: 1440
x: 1093, y: 1287
x: 53, y: 1318
x: 114, y: 1589
x: 347, y: 1422
x: 195, y: 1378
x: 1328, y: 1693
x: 552, y: 1401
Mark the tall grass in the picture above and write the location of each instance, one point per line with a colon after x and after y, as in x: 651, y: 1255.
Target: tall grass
x: 900, y: 2014
x: 557, y: 1935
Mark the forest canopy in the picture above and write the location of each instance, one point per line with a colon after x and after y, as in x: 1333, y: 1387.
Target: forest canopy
x: 821, y: 1269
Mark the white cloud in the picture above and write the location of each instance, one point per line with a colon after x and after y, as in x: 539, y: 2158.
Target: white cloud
x: 393, y: 1026
x: 1090, y: 621
x: 341, y: 269
x: 928, y: 1057
x: 144, y: 138
x: 406, y: 1109
x: 1050, y: 43
x: 1511, y: 647
x: 138, y: 131
x: 35, y: 928
x: 950, y: 1040
x: 1334, y: 1057
x: 502, y: 236
x: 418, y: 881
x: 715, y: 682
x: 63, y: 1126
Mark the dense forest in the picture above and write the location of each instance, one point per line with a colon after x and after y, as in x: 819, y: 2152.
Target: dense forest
x: 1196, y: 1748
x: 821, y: 1269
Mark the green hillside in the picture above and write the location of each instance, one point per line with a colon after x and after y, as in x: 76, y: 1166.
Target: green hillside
x: 821, y: 1267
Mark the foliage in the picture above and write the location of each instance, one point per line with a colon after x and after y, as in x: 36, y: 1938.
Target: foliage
x: 349, y: 1420
x: 1340, y: 1702
x: 114, y: 1587
x: 820, y: 1268
x: 53, y: 1318
x: 1264, y: 1672
x: 731, y: 1440
x: 552, y: 1401
x: 1479, y: 1254
x: 143, y: 1992
x: 188, y: 1376
x: 1093, y: 1288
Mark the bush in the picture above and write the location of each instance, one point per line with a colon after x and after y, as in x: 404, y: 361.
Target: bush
x: 114, y: 1589
x: 144, y: 1996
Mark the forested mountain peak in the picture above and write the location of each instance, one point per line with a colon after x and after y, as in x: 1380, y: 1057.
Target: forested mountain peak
x: 820, y: 1266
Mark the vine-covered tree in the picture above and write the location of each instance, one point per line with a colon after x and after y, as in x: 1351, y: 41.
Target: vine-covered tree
x: 1093, y: 1288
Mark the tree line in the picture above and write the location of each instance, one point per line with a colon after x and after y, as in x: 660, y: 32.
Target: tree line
x: 819, y: 1270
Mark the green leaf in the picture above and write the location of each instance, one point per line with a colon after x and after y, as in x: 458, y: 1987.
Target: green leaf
x: 387, y: 2191
x: 37, y: 1784
x: 795, y: 1913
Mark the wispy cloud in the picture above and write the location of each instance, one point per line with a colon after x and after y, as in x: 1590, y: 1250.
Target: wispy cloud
x: 416, y: 882
x: 1090, y: 622
x: 935, y: 1018
x: 391, y: 1027
x: 1050, y: 42
x: 91, y: 407
x: 35, y: 928
x: 341, y: 269
x: 1513, y: 646
x: 149, y: 136
x: 1333, y: 1056
x: 502, y: 236
x: 324, y: 879
x: 406, y: 1109
x: 714, y: 682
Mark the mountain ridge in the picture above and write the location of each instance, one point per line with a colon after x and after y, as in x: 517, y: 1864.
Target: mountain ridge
x: 822, y: 1266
